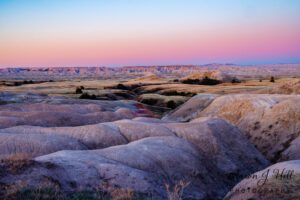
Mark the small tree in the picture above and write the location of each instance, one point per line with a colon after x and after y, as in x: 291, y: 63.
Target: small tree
x: 87, y: 96
x: 171, y: 104
x: 209, y: 81
x: 272, y: 79
x: 120, y: 86
x: 235, y: 80
x: 78, y: 90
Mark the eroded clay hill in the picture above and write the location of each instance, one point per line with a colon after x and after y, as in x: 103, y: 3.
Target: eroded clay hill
x: 40, y: 110
x: 142, y: 154
x: 209, y: 142
x: 213, y: 74
x: 271, y: 122
x: 291, y: 86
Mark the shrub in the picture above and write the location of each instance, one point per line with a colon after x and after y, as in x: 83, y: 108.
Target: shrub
x: 191, y: 81
x: 28, y: 82
x: 272, y: 79
x: 171, y: 104
x: 209, y: 81
x: 78, y: 90
x: 17, y: 83
x: 205, y: 81
x: 176, y: 93
x: 235, y: 80
x: 87, y: 96
x: 149, y: 101
x: 120, y: 86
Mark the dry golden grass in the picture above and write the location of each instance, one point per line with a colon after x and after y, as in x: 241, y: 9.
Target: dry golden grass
x: 176, y: 192
x: 16, y: 162
x: 122, y: 194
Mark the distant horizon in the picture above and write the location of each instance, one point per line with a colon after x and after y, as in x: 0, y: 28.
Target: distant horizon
x: 37, y: 33
x: 205, y: 64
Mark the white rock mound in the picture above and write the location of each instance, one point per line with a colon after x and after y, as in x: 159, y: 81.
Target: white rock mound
x: 203, y: 153
x: 271, y: 122
x: 144, y: 166
x: 95, y: 136
x: 191, y: 109
x: 32, y: 145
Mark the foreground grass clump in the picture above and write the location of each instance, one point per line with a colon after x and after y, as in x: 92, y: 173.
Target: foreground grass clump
x: 176, y: 192
x: 15, y: 163
x: 21, y: 192
x: 47, y: 193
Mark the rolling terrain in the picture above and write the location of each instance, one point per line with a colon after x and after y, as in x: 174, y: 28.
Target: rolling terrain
x: 160, y: 132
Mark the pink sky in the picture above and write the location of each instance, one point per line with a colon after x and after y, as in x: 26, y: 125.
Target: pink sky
x: 61, y: 41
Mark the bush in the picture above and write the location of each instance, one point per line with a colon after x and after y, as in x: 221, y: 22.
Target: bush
x: 149, y: 101
x: 17, y: 83
x: 272, y: 79
x: 121, y: 87
x: 175, y: 93
x: 78, y: 90
x: 191, y: 81
x: 205, y: 81
x: 28, y: 82
x: 209, y: 81
x: 235, y: 80
x: 171, y: 104
x: 87, y: 96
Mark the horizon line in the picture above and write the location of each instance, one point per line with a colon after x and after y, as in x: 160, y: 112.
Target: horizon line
x: 157, y: 65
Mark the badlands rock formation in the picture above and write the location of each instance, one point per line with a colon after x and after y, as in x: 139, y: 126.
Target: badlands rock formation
x: 277, y: 182
x: 209, y: 142
x: 92, y: 136
x: 271, y: 122
x: 10, y: 97
x: 209, y: 153
x: 191, y: 109
x: 31, y: 145
x: 58, y: 111
x: 292, y: 152
x: 214, y: 74
x: 146, y: 79
x: 162, y: 100
x: 291, y: 86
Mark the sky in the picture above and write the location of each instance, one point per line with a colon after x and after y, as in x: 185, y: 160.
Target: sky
x: 38, y: 33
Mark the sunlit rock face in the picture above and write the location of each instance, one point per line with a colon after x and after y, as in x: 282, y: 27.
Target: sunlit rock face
x: 192, y: 108
x: 271, y: 122
x: 286, y: 87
